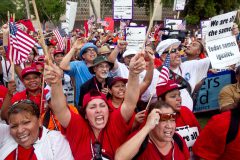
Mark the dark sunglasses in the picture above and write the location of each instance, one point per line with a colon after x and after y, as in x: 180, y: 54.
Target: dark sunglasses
x: 172, y: 51
x: 97, y: 150
x: 166, y: 117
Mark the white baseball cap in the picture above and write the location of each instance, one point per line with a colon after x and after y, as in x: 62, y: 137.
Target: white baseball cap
x: 166, y: 44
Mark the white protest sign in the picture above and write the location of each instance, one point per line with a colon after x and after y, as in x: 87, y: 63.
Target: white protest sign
x: 223, y: 52
x: 122, y: 9
x: 135, y: 36
x: 172, y: 23
x: 189, y: 134
x: 71, y: 10
x: 179, y: 5
x: 220, y: 26
x: 204, y: 27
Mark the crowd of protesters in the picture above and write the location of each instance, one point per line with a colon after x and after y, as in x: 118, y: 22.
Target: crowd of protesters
x: 99, y: 99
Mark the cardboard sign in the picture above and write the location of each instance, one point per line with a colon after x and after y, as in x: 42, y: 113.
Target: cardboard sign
x: 223, y: 52
x: 204, y: 27
x: 172, y: 23
x: 135, y: 36
x: 207, y: 99
x: 122, y: 9
x: 189, y: 134
x: 71, y: 11
x: 220, y: 26
x: 179, y: 5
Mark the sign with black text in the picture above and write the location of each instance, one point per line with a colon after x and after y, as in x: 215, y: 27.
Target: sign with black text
x: 135, y: 36
x: 122, y: 9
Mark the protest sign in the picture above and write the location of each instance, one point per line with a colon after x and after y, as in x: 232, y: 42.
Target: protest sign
x: 208, y: 94
x: 179, y: 5
x: 71, y: 10
x: 110, y: 24
x: 204, y: 25
x: 220, y: 26
x: 223, y: 52
x: 122, y: 9
x: 135, y: 36
x: 189, y: 134
x: 172, y: 23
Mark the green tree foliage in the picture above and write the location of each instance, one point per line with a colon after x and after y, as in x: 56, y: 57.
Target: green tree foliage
x: 50, y: 10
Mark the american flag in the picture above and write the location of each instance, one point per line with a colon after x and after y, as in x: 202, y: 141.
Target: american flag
x: 182, y: 26
x: 164, y: 74
x: 60, y: 38
x: 20, y: 44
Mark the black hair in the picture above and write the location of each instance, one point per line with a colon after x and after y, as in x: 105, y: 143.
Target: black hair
x: 158, y: 104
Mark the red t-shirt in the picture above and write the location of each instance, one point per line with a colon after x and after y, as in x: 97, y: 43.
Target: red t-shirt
x: 23, y: 95
x: 151, y: 152
x: 80, y: 135
x: 22, y: 154
x: 3, y: 92
x: 211, y: 143
x: 186, y: 117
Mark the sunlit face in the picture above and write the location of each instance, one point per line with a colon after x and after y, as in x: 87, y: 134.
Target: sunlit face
x: 24, y: 128
x: 165, y: 129
x: 58, y: 58
x: 97, y: 114
x: 175, y: 58
x: 118, y: 90
x: 173, y: 98
x: 32, y: 81
x: 101, y: 70
x: 90, y: 55
x: 193, y: 48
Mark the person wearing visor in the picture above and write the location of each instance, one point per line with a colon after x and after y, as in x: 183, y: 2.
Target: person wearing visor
x: 185, y: 119
x: 156, y: 139
x: 188, y: 73
x: 26, y: 138
x: 99, y: 131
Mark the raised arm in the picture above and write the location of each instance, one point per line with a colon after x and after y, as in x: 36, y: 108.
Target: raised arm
x: 133, y: 145
x: 53, y: 76
x: 65, y: 63
x: 136, y: 66
x: 149, y: 74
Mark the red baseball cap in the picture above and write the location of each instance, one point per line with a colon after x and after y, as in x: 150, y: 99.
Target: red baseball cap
x: 28, y: 70
x: 171, y: 85
x: 58, y: 52
x: 93, y: 94
x: 112, y: 81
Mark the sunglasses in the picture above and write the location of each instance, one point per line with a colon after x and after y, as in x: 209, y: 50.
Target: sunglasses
x: 97, y: 150
x: 25, y: 101
x: 166, y: 117
x: 172, y: 51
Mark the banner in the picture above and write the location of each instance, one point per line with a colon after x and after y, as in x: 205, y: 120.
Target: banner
x: 208, y: 94
x: 109, y: 24
x: 135, y: 36
x: 220, y: 26
x: 122, y: 9
x: 71, y: 10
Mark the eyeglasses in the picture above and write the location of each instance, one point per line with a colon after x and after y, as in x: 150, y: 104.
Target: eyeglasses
x: 103, y: 66
x: 172, y: 51
x: 90, y: 50
x: 97, y: 150
x: 165, y: 117
x: 26, y: 101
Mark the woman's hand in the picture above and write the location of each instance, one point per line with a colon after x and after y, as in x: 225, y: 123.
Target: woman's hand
x: 53, y: 74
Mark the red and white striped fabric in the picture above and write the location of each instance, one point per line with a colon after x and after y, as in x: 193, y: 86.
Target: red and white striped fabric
x: 60, y: 39
x: 20, y: 44
x: 164, y: 76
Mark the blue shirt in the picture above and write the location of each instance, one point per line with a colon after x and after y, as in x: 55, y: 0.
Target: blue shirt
x: 79, y: 71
